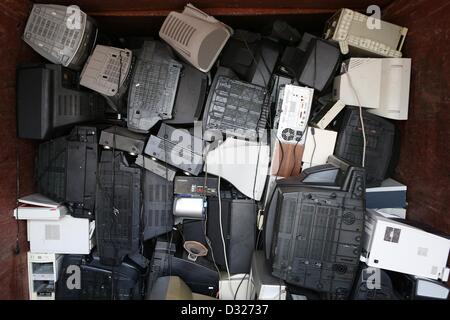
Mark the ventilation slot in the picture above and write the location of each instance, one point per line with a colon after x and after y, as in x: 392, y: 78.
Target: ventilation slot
x: 182, y: 33
x: 172, y: 28
x: 189, y: 35
x: 176, y: 33
x: 167, y: 25
x: 178, y: 30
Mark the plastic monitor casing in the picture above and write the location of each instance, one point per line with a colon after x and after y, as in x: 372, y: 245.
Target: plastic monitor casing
x: 396, y: 246
x: 245, y: 164
x: 196, y: 36
x: 153, y: 87
x: 107, y: 71
x: 50, y: 101
x: 47, y: 31
x: 177, y: 147
x: 120, y: 138
x: 361, y: 35
x: 381, y: 85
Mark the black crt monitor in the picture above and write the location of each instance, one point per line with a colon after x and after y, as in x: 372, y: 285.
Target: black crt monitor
x: 118, y: 208
x: 122, y: 139
x: 285, y: 33
x: 82, y: 160
x: 314, y: 62
x: 99, y: 282
x: 153, y: 87
x: 234, y: 107
x: 381, y: 149
x: 190, y: 96
x: 314, y: 227
x: 158, y: 205
x: 252, y: 57
x: 51, y: 168
x: 178, y: 148
x: 239, y: 229
x: 66, y: 168
x: 200, y: 275
x: 50, y: 101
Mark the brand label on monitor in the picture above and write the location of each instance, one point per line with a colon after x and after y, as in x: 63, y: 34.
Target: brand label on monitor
x: 392, y: 235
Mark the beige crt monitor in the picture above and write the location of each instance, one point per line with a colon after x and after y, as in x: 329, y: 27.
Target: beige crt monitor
x: 107, y: 70
x: 361, y: 35
x: 196, y: 36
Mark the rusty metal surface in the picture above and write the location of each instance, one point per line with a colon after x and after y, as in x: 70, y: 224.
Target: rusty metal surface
x: 425, y: 150
x: 133, y: 25
x: 13, y: 268
x: 236, y: 6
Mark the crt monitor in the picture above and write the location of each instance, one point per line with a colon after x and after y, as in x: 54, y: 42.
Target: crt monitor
x: 100, y: 282
x: 118, y: 208
x: 251, y: 57
x: 234, y: 107
x: 314, y: 227
x: 196, y: 36
x: 381, y: 145
x: 313, y: 62
x: 63, y: 35
x: 190, y: 97
x: 50, y: 101
x: 154, y: 83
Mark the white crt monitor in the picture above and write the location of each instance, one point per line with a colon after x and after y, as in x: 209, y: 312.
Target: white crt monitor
x: 381, y: 85
x: 196, y: 36
x: 365, y: 36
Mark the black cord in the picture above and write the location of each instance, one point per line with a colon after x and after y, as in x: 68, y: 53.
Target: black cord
x: 314, y: 150
x: 17, y: 248
x: 204, y: 224
x: 240, y: 284
x: 115, y: 211
x: 170, y: 254
x: 171, y: 233
x: 279, y: 293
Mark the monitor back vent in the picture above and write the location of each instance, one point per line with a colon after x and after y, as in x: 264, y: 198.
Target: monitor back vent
x: 68, y: 105
x: 178, y: 30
